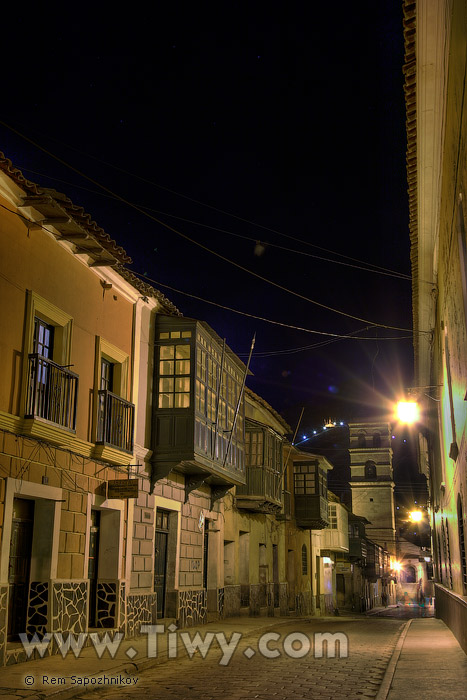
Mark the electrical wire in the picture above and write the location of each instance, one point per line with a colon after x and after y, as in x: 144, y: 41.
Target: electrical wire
x: 388, y: 273
x: 262, y: 318
x: 228, y: 308
x: 200, y: 245
x: 191, y: 199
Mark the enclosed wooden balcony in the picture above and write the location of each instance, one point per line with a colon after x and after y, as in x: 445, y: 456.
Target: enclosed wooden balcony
x: 310, y: 492
x: 198, y: 415
x: 335, y: 537
x: 262, y: 491
x: 263, y: 456
x: 52, y: 392
x: 115, y: 421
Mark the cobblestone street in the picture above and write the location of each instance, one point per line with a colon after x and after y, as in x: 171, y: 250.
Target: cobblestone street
x: 370, y: 645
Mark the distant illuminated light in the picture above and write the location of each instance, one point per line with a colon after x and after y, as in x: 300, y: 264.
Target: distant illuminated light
x: 341, y: 423
x: 393, y: 437
x: 304, y: 437
x: 324, y: 427
x: 397, y: 566
x: 416, y: 516
x: 334, y: 424
x: 314, y: 432
x: 408, y: 412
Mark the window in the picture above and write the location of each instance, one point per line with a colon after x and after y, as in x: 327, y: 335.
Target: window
x: 305, y: 479
x: 174, y: 376
x: 114, y: 415
x: 254, y: 448
x: 43, y: 338
x: 332, y: 512
x: 376, y: 439
x: 107, y: 375
x: 50, y: 387
x: 361, y: 442
x: 304, y: 560
x: 370, y: 470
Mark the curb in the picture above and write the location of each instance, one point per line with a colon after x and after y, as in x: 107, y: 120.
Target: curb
x: 385, y: 686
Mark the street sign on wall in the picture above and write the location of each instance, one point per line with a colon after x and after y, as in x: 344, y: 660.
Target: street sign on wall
x: 122, y: 488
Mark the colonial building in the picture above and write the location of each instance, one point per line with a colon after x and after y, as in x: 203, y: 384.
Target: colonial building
x: 74, y: 349
x: 435, y: 89
x: 198, y: 455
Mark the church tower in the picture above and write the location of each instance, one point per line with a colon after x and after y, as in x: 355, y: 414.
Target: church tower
x: 371, y: 480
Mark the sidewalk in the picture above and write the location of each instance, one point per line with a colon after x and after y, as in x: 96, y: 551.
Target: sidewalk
x: 54, y: 676
x: 427, y: 662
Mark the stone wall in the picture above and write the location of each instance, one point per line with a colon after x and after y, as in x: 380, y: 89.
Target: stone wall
x: 3, y: 621
x: 192, y: 608
x: 141, y: 609
x: 38, y: 608
x: 232, y: 601
x: 69, y: 606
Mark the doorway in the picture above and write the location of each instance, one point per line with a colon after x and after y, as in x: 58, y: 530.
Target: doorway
x: 160, y: 559
x: 275, y: 574
x: 93, y: 565
x: 19, y: 566
x: 205, y: 554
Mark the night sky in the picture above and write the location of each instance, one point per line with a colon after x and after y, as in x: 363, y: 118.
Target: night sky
x: 280, y: 124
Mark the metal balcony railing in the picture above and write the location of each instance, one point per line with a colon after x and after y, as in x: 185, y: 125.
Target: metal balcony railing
x: 115, y: 421
x: 52, y: 392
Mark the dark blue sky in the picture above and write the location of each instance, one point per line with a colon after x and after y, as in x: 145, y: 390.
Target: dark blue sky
x: 291, y: 119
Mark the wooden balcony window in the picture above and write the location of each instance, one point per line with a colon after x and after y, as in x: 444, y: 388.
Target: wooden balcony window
x: 115, y: 421
x: 52, y: 392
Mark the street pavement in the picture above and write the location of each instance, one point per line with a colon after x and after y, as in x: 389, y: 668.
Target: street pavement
x: 357, y: 675
x: 379, y: 656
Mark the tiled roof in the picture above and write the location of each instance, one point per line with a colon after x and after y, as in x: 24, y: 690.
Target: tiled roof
x: 410, y: 90
x: 265, y: 404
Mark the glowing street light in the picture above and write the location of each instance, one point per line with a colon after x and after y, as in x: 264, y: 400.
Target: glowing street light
x: 408, y: 412
x: 397, y: 566
x: 416, y: 516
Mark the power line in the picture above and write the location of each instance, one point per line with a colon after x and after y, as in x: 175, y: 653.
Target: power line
x: 203, y: 247
x: 388, y: 273
x: 203, y: 204
x: 262, y: 318
x: 335, y: 336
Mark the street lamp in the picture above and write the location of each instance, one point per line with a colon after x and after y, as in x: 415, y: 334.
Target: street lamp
x: 416, y: 516
x: 408, y: 412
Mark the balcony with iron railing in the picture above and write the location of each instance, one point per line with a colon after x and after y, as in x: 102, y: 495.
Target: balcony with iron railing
x: 262, y: 491
x: 52, y: 392
x: 115, y: 421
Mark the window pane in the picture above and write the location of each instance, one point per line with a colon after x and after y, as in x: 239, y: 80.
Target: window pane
x: 167, y: 352
x: 182, y: 400
x: 182, y: 352
x: 186, y: 334
x: 166, y: 400
x: 166, y: 367
x: 182, y: 367
x: 163, y: 336
x: 175, y: 334
x: 166, y: 385
x: 182, y: 384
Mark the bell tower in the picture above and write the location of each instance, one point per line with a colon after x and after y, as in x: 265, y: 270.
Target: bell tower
x: 371, y: 480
